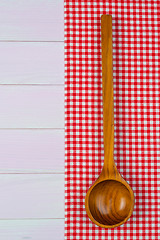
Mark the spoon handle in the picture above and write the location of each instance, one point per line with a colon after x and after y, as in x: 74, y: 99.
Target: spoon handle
x: 107, y: 88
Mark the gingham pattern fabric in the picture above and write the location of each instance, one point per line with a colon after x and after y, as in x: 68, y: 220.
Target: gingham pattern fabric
x: 136, y: 112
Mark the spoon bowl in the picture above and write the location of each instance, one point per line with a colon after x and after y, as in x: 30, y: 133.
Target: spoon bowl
x: 110, y: 200
x: 109, y: 203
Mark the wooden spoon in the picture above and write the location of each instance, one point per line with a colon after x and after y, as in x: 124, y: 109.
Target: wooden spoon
x: 110, y: 200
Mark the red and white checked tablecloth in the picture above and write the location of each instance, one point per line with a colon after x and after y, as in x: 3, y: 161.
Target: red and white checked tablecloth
x: 136, y: 112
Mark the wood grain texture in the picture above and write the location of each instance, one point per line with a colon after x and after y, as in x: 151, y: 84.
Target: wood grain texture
x: 107, y: 89
x: 110, y: 200
x: 31, y: 63
x: 32, y: 151
x: 31, y: 20
x: 32, y: 229
x: 31, y: 196
x: 31, y: 106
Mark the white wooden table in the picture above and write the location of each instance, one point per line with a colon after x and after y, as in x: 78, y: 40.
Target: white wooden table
x: 31, y: 120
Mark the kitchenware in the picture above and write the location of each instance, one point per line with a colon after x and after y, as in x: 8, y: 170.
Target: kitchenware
x: 110, y: 200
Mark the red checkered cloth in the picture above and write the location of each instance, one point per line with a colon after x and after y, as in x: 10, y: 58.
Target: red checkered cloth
x: 136, y: 112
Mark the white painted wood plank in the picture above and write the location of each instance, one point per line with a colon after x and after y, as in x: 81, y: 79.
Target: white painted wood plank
x: 49, y: 229
x: 32, y: 151
x: 31, y: 20
x: 31, y: 63
x: 31, y: 106
x: 31, y: 196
